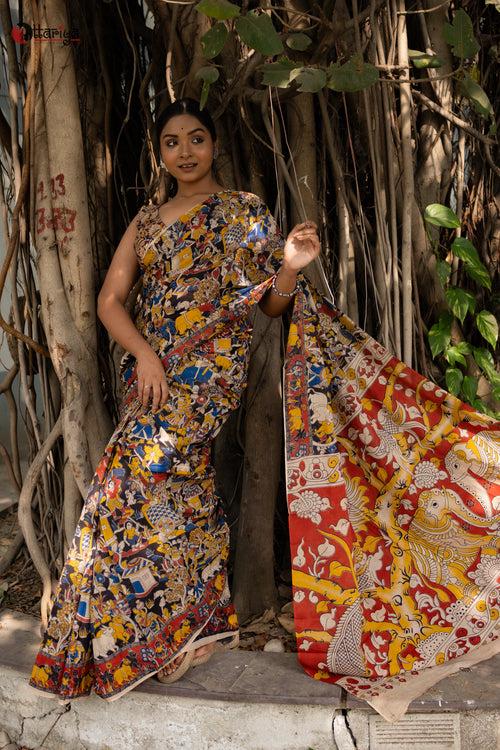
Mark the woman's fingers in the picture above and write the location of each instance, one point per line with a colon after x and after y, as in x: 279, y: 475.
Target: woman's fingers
x: 156, y: 396
x: 164, y: 391
x: 146, y: 394
x: 156, y: 392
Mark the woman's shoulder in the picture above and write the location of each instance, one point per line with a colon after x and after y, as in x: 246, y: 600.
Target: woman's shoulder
x: 250, y: 202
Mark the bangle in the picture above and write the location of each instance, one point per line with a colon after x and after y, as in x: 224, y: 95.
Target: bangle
x: 284, y: 294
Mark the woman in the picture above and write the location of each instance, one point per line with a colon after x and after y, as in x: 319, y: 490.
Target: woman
x: 392, y: 483
x: 144, y: 588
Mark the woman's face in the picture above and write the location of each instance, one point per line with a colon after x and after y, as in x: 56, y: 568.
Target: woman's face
x: 184, y: 140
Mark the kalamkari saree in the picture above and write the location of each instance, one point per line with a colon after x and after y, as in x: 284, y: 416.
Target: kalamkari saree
x: 393, y: 488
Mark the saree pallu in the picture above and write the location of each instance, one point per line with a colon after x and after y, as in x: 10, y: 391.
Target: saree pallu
x: 392, y: 489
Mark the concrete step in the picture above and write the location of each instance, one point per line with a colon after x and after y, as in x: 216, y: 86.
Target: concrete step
x: 239, y: 700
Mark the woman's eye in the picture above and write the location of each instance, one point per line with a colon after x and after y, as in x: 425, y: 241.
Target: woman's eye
x: 196, y: 137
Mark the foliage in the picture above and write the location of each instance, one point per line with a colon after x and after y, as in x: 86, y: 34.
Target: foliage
x: 482, y: 327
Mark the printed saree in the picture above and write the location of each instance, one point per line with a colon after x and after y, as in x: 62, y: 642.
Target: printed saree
x: 393, y: 489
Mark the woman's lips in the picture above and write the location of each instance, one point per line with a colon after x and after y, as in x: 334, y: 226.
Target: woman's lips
x: 186, y: 168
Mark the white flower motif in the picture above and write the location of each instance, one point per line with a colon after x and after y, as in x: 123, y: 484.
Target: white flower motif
x: 326, y: 549
x: 342, y: 526
x: 427, y: 475
x: 299, y: 596
x: 299, y: 560
x: 309, y: 505
x: 487, y: 571
x: 316, y: 472
x: 327, y: 621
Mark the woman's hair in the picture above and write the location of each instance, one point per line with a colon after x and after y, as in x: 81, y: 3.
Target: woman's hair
x: 184, y: 106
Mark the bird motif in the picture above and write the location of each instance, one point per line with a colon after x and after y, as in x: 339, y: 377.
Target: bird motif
x: 481, y: 456
x: 445, y: 538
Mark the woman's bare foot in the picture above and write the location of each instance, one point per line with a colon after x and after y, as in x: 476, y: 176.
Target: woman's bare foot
x: 202, y: 650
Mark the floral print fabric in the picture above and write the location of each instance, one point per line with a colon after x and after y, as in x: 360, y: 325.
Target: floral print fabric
x: 146, y: 573
x: 392, y: 488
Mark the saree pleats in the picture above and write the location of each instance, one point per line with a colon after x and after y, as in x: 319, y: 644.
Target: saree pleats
x: 393, y: 489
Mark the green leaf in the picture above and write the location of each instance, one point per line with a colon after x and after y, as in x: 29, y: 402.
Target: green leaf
x: 310, y: 79
x: 484, y: 359
x: 460, y: 302
x: 214, y: 40
x: 443, y: 271
x: 469, y: 388
x: 256, y: 30
x: 487, y: 326
x: 298, y: 41
x: 453, y: 355
x: 278, y: 73
x: 219, y: 9
x: 208, y: 74
x: 423, y: 59
x: 465, y: 250
x: 454, y: 380
x: 440, y: 334
x: 460, y: 35
x: 354, y: 75
x: 441, y: 216
x: 478, y: 97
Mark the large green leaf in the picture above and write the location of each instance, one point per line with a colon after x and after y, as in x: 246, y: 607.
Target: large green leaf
x: 354, y: 75
x: 460, y: 302
x: 460, y: 35
x: 441, y: 216
x: 454, y: 378
x: 277, y: 73
x: 469, y: 388
x: 298, y: 41
x: 443, y: 271
x: 465, y: 250
x: 487, y: 326
x: 478, y: 97
x: 456, y: 353
x: 219, y: 9
x: 484, y: 359
x: 440, y: 334
x: 310, y: 79
x: 214, y: 40
x: 423, y: 59
x: 208, y: 74
x: 256, y: 30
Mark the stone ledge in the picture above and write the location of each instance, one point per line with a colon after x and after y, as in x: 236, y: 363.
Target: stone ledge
x: 263, y: 677
x: 238, y: 699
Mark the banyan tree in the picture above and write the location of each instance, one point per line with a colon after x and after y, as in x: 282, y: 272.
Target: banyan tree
x: 374, y: 119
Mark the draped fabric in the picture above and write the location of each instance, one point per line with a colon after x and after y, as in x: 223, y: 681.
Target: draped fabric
x: 393, y: 489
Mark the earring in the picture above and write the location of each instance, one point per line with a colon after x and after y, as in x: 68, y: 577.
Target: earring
x: 162, y: 165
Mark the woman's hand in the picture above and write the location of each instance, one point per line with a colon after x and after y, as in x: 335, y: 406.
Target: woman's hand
x: 151, y: 379
x: 301, y: 247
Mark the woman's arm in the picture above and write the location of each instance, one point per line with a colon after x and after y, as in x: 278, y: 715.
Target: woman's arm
x: 120, y: 278
x: 271, y: 303
x: 301, y: 247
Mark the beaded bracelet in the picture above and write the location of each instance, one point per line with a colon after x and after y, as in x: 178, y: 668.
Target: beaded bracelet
x: 284, y: 294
